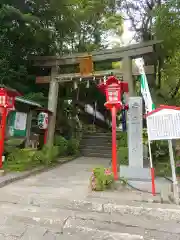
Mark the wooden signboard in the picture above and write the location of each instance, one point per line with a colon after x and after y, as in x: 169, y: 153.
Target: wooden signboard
x: 86, y: 65
x: 43, y: 79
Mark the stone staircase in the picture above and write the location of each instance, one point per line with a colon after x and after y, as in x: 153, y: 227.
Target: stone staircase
x: 96, y: 145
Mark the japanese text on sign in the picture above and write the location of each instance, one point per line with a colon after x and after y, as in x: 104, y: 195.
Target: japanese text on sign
x: 164, y: 126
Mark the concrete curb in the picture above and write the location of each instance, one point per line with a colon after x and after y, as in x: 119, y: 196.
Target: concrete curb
x: 35, y: 171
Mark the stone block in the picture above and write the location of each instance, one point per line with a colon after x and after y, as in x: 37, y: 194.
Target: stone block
x: 133, y: 173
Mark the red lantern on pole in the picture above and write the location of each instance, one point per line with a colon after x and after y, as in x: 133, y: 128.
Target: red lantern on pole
x: 7, y: 102
x: 113, y: 89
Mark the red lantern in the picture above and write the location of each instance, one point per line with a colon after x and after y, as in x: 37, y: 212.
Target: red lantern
x: 7, y: 102
x: 7, y: 97
x: 113, y: 89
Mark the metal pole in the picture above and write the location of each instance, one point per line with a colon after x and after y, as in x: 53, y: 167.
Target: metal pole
x: 114, y: 155
x: 175, y: 183
x: 152, y: 169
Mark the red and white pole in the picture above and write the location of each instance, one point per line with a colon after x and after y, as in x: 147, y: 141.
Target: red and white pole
x: 2, y: 133
x: 152, y: 169
x: 114, y: 154
x: 45, y: 135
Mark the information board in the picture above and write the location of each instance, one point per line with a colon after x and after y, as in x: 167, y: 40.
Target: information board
x: 164, y: 126
x: 16, y: 124
x: 20, y: 121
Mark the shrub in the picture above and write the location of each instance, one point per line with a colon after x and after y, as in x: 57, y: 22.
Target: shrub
x: 163, y: 169
x: 62, y: 143
x: 122, y: 139
x: 122, y: 155
x: 178, y: 168
x: 101, y: 179
x: 73, y: 147
x: 19, y: 160
x: 159, y: 149
x: 47, y: 155
x: 25, y: 159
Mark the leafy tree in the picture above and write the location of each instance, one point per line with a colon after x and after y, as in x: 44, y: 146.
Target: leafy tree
x: 167, y: 28
x: 50, y: 27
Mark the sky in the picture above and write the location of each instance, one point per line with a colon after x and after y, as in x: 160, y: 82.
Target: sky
x: 125, y: 39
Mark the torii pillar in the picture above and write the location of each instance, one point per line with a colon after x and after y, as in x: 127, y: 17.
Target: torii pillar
x: 127, y: 74
x: 52, y: 104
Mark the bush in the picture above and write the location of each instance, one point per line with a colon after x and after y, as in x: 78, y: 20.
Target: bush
x: 25, y: 159
x: 163, y: 169
x: 178, y: 168
x: 159, y: 149
x: 62, y: 143
x: 47, y: 155
x: 19, y: 160
x: 122, y: 139
x: 122, y: 155
x: 101, y: 179
x: 73, y: 147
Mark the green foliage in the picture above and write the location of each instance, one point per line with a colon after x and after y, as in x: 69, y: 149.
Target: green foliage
x: 73, y: 147
x: 53, y: 28
x: 122, y: 155
x: 101, y: 179
x: 19, y: 160
x: 122, y: 139
x: 163, y: 169
x: 123, y: 181
x: 167, y: 28
x: 159, y: 149
x: 47, y: 155
x: 178, y: 168
x: 145, y: 137
x: 122, y: 149
x: 26, y: 159
x: 62, y: 144
x: 89, y: 128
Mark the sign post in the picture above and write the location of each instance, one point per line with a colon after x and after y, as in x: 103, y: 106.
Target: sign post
x: 173, y: 168
x: 164, y: 124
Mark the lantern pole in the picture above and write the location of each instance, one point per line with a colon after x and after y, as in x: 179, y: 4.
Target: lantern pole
x: 114, y: 154
x: 2, y: 134
x: 45, y: 135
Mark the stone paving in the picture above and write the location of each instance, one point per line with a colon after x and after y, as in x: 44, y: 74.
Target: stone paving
x: 58, y: 204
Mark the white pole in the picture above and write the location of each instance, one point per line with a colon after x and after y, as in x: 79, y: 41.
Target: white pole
x: 150, y: 154
x: 175, y: 183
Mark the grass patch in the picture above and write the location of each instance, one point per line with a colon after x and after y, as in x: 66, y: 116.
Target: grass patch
x: 122, y: 156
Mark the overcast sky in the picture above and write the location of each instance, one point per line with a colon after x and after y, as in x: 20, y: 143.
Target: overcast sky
x: 126, y: 38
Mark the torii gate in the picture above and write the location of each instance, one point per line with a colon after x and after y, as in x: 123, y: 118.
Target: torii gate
x: 85, y: 61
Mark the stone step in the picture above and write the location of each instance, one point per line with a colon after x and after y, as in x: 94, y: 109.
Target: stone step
x: 96, y: 140
x: 29, y: 198
x: 96, y: 154
x: 78, y: 222
x: 95, y: 143
x: 97, y: 137
x: 98, y: 134
x: 96, y: 148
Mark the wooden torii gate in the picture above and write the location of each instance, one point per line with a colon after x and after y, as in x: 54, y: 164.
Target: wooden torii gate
x: 85, y: 61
